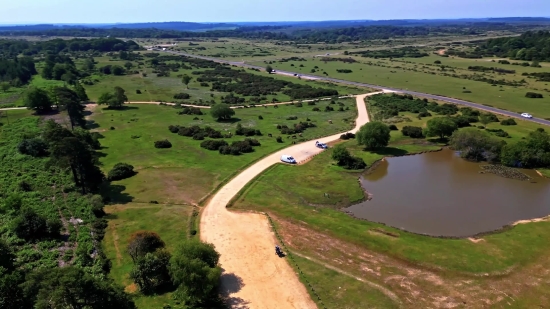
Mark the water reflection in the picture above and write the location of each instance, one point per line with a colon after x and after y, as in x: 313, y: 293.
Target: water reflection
x: 440, y: 194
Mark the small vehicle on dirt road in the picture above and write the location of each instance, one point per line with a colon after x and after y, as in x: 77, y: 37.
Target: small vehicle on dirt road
x: 321, y: 145
x: 288, y: 159
x: 526, y: 115
x: 279, y: 252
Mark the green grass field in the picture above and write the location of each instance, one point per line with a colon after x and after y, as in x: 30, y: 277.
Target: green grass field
x: 186, y: 173
x: 169, y: 221
x: 430, y: 80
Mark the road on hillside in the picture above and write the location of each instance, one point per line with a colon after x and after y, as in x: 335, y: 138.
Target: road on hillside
x: 420, y: 94
x: 254, y: 276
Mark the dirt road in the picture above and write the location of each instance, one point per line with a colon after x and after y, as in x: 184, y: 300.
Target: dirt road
x: 254, y: 276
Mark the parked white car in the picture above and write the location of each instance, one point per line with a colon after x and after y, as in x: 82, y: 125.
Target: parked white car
x: 526, y: 115
x: 288, y: 159
x: 321, y: 145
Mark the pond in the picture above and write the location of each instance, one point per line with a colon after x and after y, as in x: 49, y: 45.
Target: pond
x: 440, y: 194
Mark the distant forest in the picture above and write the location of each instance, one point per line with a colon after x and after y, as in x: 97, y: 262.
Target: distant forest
x: 532, y: 45
x: 291, y: 33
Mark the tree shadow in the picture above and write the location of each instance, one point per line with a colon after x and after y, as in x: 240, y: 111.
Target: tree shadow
x: 91, y: 124
x: 390, y: 151
x: 232, y: 120
x: 116, y: 194
x: 231, y: 283
x: 439, y: 140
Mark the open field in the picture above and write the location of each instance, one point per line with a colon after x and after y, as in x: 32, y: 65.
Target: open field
x: 162, y: 171
x: 169, y: 221
x: 420, y: 74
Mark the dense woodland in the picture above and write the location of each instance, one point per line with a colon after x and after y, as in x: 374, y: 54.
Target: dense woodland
x: 532, y: 45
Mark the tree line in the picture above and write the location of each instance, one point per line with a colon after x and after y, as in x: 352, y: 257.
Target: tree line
x: 12, y: 48
x: 531, y: 45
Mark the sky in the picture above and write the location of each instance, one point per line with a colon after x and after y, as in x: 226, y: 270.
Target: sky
x: 112, y: 11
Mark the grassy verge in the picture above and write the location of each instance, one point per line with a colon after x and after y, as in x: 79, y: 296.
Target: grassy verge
x: 169, y: 221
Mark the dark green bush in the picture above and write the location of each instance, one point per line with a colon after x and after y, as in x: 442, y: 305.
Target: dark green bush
x: 299, y: 104
x: 508, y: 122
x: 347, y: 136
x: 187, y: 110
x: 413, y: 132
x: 279, y: 139
x: 182, y: 96
x: 498, y: 132
x: 121, y: 171
x: 33, y: 147
x: 29, y: 225
x: 173, y: 129
x: 163, y: 144
x: 260, y: 117
x: 533, y: 95
x: 213, y: 144
x: 246, y: 131
x: 316, y: 109
x: 291, y: 118
x: 393, y: 127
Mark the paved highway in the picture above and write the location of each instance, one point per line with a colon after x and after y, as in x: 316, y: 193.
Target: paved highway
x: 420, y: 94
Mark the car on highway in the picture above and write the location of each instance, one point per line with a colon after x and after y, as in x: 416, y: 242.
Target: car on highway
x: 288, y: 159
x: 526, y: 115
x: 321, y: 145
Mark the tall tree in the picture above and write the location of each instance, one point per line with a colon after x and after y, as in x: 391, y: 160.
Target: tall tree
x: 268, y: 69
x: 373, y: 135
x: 114, y: 100
x: 68, y: 100
x: 150, y: 272
x: 441, y: 127
x: 37, y: 99
x: 81, y: 92
x: 222, y: 111
x: 186, y: 79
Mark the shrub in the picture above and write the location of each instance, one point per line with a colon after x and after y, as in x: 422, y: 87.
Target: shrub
x: 393, y: 127
x: 190, y: 111
x: 508, y: 122
x: 252, y: 142
x: 121, y: 171
x: 138, y: 91
x: 316, y: 109
x: 163, y: 144
x: 533, y: 95
x: 298, y: 104
x: 292, y: 118
x: 413, y: 132
x: 498, y: 132
x: 213, y: 144
x: 33, y: 147
x: 279, y: 139
x: 242, y: 146
x: 199, y: 136
x: 347, y: 136
x: 488, y: 118
x: 424, y: 114
x: 29, y: 225
x: 311, y: 103
x: 246, y: 131
x: 260, y: 117
x: 330, y: 108
x: 181, y: 96
x: 343, y: 158
x: 173, y: 129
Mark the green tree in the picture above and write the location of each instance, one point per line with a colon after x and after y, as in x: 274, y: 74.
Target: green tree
x: 117, y: 70
x: 195, y: 272
x: 128, y: 65
x: 114, y: 100
x: 143, y: 242
x: 81, y: 92
x: 150, y: 272
x: 5, y: 86
x: 476, y: 145
x: 340, y: 154
x: 186, y: 79
x: 29, y: 225
x: 222, y: 111
x: 373, y: 135
x: 68, y: 100
x: 38, y: 100
x: 71, y: 287
x: 268, y: 69
x: 11, y: 294
x: 441, y: 127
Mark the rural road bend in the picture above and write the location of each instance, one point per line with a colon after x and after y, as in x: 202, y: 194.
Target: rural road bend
x: 420, y: 94
x: 253, y: 275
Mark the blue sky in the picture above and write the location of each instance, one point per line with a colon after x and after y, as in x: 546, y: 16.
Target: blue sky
x: 109, y: 11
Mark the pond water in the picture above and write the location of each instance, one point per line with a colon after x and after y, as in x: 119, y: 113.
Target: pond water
x: 440, y: 194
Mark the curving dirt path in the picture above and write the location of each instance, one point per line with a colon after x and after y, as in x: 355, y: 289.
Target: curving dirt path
x: 254, y: 276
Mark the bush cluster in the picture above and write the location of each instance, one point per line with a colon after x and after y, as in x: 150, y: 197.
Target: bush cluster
x: 34, y: 147
x: 247, y: 131
x: 196, y: 132
x: 163, y: 144
x: 297, y: 128
x: 498, y: 132
x: 213, y: 144
x: 393, y: 127
x: 346, y: 160
x: 121, y: 171
x: 190, y: 111
x: 533, y: 95
x: 508, y: 122
x: 181, y: 96
x: 411, y: 131
x: 239, y: 147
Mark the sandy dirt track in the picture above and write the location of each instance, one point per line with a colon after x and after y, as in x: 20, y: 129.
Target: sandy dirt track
x: 254, y: 276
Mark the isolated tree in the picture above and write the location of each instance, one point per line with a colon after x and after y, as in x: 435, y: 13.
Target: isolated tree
x: 114, y: 100
x: 38, y: 100
x: 441, y: 127
x: 150, y: 272
x: 143, y: 242
x: 268, y: 69
x: 117, y: 70
x: 476, y: 145
x: 5, y: 86
x: 373, y: 135
x: 222, y: 111
x: 195, y: 272
x: 71, y: 287
x: 128, y: 65
x: 186, y: 79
